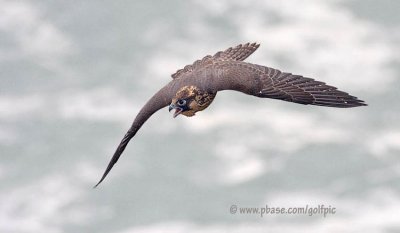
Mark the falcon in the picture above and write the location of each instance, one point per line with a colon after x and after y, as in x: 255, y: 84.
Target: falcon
x: 194, y: 87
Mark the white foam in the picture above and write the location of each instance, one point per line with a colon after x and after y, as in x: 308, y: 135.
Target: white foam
x: 13, y: 107
x: 381, y: 144
x: 38, y: 206
x: 362, y: 214
x: 37, y: 37
x: 101, y: 104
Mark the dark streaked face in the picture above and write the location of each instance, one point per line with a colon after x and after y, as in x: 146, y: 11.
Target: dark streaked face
x: 189, y: 100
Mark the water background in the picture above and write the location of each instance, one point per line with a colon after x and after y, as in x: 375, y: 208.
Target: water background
x: 73, y: 74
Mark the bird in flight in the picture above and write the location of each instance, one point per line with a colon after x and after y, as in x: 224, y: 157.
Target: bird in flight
x: 194, y: 87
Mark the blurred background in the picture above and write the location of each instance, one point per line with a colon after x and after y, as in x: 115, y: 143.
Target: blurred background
x: 73, y: 75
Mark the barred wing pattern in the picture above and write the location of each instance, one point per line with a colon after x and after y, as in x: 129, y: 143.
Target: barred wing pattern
x: 273, y: 83
x: 238, y: 53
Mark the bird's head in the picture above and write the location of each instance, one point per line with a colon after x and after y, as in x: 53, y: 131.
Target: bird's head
x: 189, y: 100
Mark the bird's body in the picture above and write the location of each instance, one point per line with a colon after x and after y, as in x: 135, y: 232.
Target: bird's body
x: 194, y: 87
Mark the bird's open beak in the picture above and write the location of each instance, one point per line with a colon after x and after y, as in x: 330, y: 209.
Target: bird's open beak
x: 178, y: 110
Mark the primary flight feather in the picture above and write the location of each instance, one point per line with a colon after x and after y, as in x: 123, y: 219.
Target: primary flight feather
x: 194, y: 87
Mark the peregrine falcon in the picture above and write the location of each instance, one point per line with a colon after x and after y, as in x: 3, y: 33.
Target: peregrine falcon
x: 194, y: 87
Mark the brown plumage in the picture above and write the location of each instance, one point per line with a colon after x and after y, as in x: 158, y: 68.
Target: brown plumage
x: 194, y: 87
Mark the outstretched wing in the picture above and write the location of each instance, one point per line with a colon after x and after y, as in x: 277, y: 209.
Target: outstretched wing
x: 159, y: 100
x: 238, y: 53
x: 267, y: 82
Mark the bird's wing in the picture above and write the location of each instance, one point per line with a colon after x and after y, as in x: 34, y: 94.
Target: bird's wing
x: 238, y: 53
x: 267, y: 82
x: 161, y: 99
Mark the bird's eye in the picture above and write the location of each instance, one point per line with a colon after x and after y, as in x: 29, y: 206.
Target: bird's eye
x: 181, y: 102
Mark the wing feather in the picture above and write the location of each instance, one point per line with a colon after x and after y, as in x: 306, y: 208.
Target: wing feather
x: 161, y: 99
x: 267, y: 82
x: 238, y: 53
